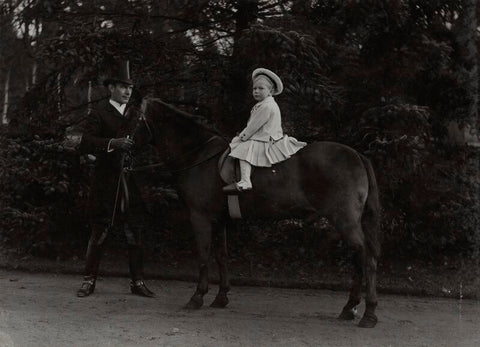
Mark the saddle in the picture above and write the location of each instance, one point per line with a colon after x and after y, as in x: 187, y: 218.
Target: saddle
x: 229, y: 170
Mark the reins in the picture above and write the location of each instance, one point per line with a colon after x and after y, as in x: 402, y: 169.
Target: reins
x: 122, y: 181
x: 163, y: 164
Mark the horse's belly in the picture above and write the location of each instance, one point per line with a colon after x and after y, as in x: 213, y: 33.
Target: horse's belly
x: 262, y: 207
x: 274, y: 195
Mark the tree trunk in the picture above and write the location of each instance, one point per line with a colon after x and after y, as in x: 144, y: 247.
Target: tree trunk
x: 466, y: 36
x: 34, y: 73
x: 6, y: 98
x: 89, y: 97
x: 466, y: 33
x: 59, y: 92
x: 247, y: 12
x: 237, y: 98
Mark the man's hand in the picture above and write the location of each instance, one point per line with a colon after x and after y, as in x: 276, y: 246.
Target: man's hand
x: 121, y: 143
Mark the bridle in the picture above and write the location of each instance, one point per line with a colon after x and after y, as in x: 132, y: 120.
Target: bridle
x: 163, y: 166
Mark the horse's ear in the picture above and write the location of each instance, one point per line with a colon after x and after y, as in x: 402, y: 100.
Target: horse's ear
x: 136, y: 97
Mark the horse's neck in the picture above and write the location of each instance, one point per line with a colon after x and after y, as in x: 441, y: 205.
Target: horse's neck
x: 181, y: 137
x: 181, y: 132
x: 190, y: 135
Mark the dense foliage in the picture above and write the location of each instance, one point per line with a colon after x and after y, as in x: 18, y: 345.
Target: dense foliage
x: 382, y: 77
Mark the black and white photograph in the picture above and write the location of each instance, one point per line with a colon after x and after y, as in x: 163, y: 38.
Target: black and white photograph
x: 240, y: 173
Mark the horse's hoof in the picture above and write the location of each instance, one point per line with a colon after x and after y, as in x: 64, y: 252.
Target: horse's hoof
x: 347, y: 314
x: 194, y: 304
x: 368, y: 321
x: 219, y: 302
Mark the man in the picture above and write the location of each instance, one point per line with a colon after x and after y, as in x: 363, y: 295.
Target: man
x: 105, y: 136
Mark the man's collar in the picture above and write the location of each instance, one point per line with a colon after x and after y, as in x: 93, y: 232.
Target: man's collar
x: 119, y: 107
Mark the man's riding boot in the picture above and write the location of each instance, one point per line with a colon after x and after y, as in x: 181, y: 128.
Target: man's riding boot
x: 96, y: 246
x: 135, y: 261
x: 87, y: 288
x: 137, y: 286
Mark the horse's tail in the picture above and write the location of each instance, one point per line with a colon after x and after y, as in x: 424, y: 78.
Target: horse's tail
x: 371, y: 214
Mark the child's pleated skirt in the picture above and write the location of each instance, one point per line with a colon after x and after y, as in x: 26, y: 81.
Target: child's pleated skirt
x: 259, y: 153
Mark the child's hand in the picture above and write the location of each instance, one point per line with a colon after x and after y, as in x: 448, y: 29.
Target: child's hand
x: 243, y: 137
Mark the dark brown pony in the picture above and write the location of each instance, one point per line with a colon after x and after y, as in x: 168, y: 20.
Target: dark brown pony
x: 323, y: 179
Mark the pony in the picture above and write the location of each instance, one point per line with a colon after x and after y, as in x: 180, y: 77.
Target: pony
x: 324, y: 179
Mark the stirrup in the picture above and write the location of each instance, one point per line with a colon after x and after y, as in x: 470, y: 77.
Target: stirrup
x: 235, y: 188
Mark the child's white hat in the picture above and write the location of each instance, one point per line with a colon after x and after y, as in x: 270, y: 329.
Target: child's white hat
x: 276, y: 81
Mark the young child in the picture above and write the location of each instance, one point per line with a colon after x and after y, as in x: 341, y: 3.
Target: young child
x: 262, y: 142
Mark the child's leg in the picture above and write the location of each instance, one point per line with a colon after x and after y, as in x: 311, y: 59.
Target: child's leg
x: 245, y: 170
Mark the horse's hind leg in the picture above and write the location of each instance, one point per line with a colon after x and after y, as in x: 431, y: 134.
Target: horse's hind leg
x: 364, y: 263
x: 349, y: 310
x: 369, y: 319
x: 221, y: 255
x: 352, y: 232
x: 202, y: 227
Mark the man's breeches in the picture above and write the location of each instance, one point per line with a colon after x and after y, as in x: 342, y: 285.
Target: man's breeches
x: 101, y: 231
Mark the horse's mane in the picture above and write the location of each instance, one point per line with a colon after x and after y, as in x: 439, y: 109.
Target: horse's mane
x: 189, y: 117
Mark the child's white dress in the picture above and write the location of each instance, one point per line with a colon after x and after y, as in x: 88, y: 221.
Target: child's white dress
x: 262, y: 142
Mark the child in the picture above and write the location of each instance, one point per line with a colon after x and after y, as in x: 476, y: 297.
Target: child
x: 262, y: 142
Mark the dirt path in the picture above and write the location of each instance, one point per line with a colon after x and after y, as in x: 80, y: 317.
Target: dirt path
x: 42, y: 310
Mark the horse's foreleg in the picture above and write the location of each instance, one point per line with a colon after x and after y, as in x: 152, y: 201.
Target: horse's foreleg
x: 202, y: 227
x: 369, y: 319
x: 221, y: 255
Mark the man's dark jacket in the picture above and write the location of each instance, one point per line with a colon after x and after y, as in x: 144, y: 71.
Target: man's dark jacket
x: 103, y: 124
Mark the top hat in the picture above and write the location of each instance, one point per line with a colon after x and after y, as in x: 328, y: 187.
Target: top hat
x: 120, y: 75
x: 271, y: 76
